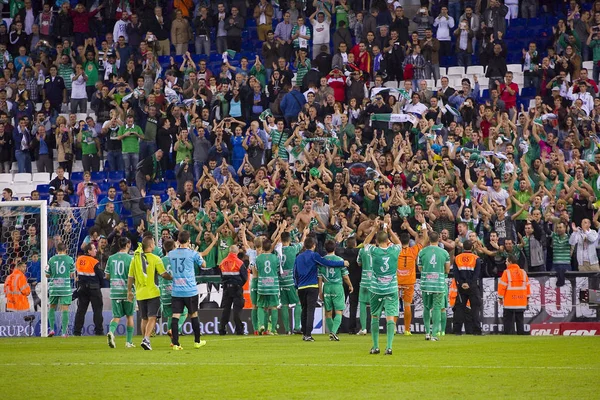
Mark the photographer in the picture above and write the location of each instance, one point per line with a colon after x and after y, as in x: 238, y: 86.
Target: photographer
x: 464, y: 44
x: 88, y: 192
x: 593, y: 42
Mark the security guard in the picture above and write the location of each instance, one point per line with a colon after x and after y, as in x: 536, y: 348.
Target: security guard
x: 89, y: 282
x: 467, y: 272
x: 513, y: 294
x: 17, y: 289
x: 452, y: 297
x: 234, y: 276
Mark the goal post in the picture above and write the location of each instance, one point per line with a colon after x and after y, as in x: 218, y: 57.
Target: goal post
x: 30, y: 231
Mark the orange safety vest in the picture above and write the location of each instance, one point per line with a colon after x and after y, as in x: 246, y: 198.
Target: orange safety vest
x: 231, y: 265
x: 407, y: 261
x: 184, y: 6
x: 466, y: 261
x: 16, y: 290
x: 514, y: 288
x: 85, y: 265
x: 453, y: 294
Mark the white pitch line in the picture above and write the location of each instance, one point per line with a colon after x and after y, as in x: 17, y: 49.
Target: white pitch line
x: 241, y: 364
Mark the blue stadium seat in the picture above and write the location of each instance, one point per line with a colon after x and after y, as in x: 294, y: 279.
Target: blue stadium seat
x: 528, y: 92
x: 104, y: 186
x: 162, y: 186
x: 517, y: 22
x: 106, y: 165
x: 171, y: 183
x: 43, y: 189
x: 170, y: 174
x: 116, y: 175
x: 485, y: 94
x: 538, y: 21
x: 215, y: 57
x: 76, y: 176
x: 45, y: 196
x: 164, y: 197
x: 89, y: 223
x: 198, y: 57
x: 99, y: 176
x: 101, y: 197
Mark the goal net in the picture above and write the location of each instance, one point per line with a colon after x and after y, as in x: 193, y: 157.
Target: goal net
x: 29, y: 233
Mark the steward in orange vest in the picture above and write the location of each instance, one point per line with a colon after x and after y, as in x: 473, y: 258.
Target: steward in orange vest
x: 234, y: 275
x: 89, y: 282
x: 513, y: 294
x: 17, y: 289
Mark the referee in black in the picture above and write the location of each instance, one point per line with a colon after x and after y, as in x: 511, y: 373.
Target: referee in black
x: 234, y: 276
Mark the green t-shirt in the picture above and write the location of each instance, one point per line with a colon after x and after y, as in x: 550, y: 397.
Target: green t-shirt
x: 267, y: 265
x: 183, y: 151
x: 130, y: 144
x: 165, y: 286
x: 433, y: 260
x: 385, y: 264
x: 561, y: 249
x: 91, y: 70
x: 60, y: 268
x: 88, y: 144
x: 341, y: 15
x: 332, y: 276
x: 117, y: 266
x: 288, y: 258
x: 146, y: 279
x: 225, y: 242
x: 523, y: 197
x: 364, y: 260
x: 210, y: 261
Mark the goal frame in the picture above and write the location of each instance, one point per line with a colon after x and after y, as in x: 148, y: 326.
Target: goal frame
x: 43, y: 206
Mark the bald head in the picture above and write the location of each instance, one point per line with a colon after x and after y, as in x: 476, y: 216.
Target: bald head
x: 234, y: 249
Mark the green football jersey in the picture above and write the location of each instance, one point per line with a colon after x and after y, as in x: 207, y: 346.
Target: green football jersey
x: 432, y: 260
x: 267, y: 265
x: 333, y: 276
x: 385, y: 264
x: 117, y: 266
x: 210, y: 261
x: 60, y: 267
x: 365, y: 260
x: 288, y: 258
x: 165, y: 286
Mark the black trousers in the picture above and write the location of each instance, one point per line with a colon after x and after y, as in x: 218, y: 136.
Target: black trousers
x: 234, y: 43
x: 509, y: 319
x: 88, y: 293
x: 232, y: 295
x: 308, y: 301
x: 473, y: 296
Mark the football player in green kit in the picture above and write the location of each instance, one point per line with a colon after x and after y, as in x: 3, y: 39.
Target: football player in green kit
x: 117, y: 270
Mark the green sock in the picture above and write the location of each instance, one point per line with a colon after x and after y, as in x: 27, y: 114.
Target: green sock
x: 329, y: 323
x: 391, y: 329
x: 437, y: 320
x: 363, y: 315
x: 113, y: 327
x: 285, y: 317
x: 444, y: 321
x: 130, y: 334
x: 262, y: 318
x: 169, y: 319
x: 298, y: 317
x: 182, y: 319
x: 337, y: 321
x: 427, y: 320
x: 65, y: 322
x: 51, y: 318
x: 254, y: 317
x: 375, y: 332
x: 274, y: 318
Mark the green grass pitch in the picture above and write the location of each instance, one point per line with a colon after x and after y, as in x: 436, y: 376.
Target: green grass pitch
x: 285, y: 367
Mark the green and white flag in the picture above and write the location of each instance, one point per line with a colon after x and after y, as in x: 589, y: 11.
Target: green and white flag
x: 265, y: 114
x: 395, y: 118
x: 437, y: 127
x: 452, y: 110
x: 229, y: 54
x: 404, y: 94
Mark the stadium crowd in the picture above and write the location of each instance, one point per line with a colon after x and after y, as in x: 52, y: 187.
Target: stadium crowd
x: 250, y: 119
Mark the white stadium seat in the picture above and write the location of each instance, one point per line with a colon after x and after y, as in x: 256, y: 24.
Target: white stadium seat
x: 6, y: 178
x: 588, y: 65
x: 460, y: 71
x: 515, y: 68
x: 22, y: 178
x: 391, y: 84
x: 41, y: 178
x: 475, y: 69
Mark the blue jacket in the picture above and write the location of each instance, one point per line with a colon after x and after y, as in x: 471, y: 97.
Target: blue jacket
x: 305, y: 268
x: 292, y: 103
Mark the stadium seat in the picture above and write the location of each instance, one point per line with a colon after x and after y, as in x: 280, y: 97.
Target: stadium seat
x: 458, y: 71
x: 6, y: 178
x: 99, y: 176
x: 43, y: 189
x: 528, y: 92
x: 485, y: 94
x: 114, y: 176
x: 22, y: 189
x: 160, y: 186
x: 77, y: 176
x: 588, y: 65
x: 170, y: 174
x: 475, y: 69
x: 391, y: 84
x: 514, y: 67
x: 22, y: 178
x: 40, y: 177
x: 484, y: 82
x: 104, y: 186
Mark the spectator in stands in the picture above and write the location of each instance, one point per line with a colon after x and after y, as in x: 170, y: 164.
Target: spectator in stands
x: 464, y: 44
x: 497, y: 68
x: 60, y: 182
x: 88, y: 192
x: 320, y: 30
x: 42, y: 151
x: 585, y: 239
x: 107, y: 220
x: 444, y: 23
x: 111, y: 197
x: 23, y: 139
x: 494, y: 16
x: 132, y: 202
x: 234, y: 27
x: 430, y: 47
x: 88, y: 140
x: 159, y: 29
x: 202, y: 24
x: 181, y: 33
x: 149, y: 171
x: 263, y: 14
x: 64, y: 144
x: 6, y: 150
x: 130, y: 135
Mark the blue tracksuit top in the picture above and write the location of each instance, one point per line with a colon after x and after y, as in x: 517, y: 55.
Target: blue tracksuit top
x: 305, y: 268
